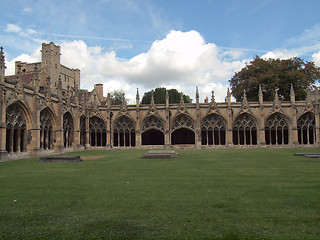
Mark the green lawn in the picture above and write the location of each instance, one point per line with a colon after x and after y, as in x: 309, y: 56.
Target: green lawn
x: 209, y: 194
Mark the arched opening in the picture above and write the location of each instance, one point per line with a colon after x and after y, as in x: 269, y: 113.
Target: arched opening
x: 306, y: 129
x: 213, y: 130
x: 46, y: 133
x: 67, y: 129
x: 98, y: 132
x: 152, y: 137
x: 276, y: 130
x: 16, y: 140
x: 124, y: 134
x: 244, y: 131
x: 183, y: 136
x: 183, y: 131
x: 152, y: 131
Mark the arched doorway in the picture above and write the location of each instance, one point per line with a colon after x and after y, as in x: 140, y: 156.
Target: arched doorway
x: 182, y: 130
x: 98, y: 132
x: 152, y: 131
x: 244, y: 130
x: 16, y: 132
x: 213, y: 130
x: 46, y: 130
x: 306, y: 129
x: 124, y: 134
x: 67, y: 129
x: 276, y: 130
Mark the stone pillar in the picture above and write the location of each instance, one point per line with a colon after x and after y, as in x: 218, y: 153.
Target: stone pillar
x: 261, y: 134
x: 3, y: 125
x: 88, y: 142
x: 293, y: 134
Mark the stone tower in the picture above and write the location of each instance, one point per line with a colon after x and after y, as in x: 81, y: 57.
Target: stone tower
x: 51, y: 62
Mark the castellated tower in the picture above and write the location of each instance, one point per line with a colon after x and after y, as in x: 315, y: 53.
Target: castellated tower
x: 51, y: 69
x: 50, y: 62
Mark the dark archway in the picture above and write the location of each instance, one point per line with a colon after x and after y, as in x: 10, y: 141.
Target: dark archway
x: 152, y: 131
x: 152, y: 137
x: 183, y: 131
x: 183, y: 136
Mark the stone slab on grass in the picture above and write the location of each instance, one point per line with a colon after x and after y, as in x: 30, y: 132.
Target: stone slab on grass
x: 160, y: 154
x: 60, y: 159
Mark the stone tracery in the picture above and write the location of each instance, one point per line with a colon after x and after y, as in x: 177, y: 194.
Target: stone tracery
x: 46, y: 130
x: 16, y: 129
x: 124, y: 132
x: 244, y: 130
x: 306, y: 128
x: 276, y: 130
x: 213, y: 130
x: 98, y: 132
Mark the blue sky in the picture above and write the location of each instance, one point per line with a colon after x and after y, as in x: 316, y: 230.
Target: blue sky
x: 130, y: 44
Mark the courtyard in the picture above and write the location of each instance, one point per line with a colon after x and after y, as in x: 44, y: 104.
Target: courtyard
x: 200, y: 194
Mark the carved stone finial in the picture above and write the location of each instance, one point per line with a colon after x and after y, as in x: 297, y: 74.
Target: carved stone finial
x: 212, y: 96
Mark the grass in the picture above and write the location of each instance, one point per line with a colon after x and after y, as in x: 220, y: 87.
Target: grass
x: 201, y: 194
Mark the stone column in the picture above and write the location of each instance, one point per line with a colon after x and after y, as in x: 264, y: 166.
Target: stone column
x: 87, y: 132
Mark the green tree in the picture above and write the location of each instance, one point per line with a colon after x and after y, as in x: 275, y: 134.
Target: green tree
x: 275, y: 74
x: 117, y: 97
x: 159, y: 96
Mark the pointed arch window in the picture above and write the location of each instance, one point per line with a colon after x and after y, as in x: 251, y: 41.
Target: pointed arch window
x: 46, y: 130
x: 276, y: 130
x: 244, y: 130
x: 98, y: 132
x: 124, y: 134
x: 213, y: 130
x: 16, y: 131
x: 306, y: 129
x: 67, y: 129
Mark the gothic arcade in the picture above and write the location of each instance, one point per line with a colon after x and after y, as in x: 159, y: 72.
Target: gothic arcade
x: 44, y: 110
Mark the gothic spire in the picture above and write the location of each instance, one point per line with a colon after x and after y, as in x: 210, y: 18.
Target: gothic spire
x: 292, y: 95
x: 2, y: 63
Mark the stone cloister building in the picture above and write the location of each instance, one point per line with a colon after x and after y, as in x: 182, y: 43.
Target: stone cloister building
x: 43, y: 110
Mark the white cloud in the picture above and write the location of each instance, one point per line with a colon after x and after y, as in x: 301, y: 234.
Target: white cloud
x: 13, y: 28
x: 182, y: 60
x: 281, y: 54
x: 316, y: 58
x: 28, y: 10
